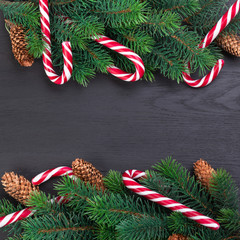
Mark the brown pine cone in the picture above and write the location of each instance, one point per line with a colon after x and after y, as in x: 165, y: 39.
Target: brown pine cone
x: 203, y: 172
x: 178, y: 237
x: 19, y: 45
x: 18, y: 186
x: 88, y: 173
x: 229, y: 43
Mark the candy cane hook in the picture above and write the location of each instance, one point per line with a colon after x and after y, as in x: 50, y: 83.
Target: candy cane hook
x: 128, y: 53
x: 128, y: 180
x: 209, y: 38
x: 66, y: 49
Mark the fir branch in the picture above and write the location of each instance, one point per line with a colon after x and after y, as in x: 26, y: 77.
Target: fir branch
x: 191, y: 192
x: 61, y: 226
x: 93, y: 58
x: 24, y: 13
x: 44, y: 204
x: 161, y: 24
x: 114, y: 208
x: 232, y: 238
x: 233, y: 27
x: 204, y: 5
x: 166, y: 61
x: 185, y: 44
x: 178, y: 223
x: 6, y: 207
x: 15, y: 237
x: 135, y: 39
x: 114, y: 183
x: 182, y: 7
x: 62, y: 229
x: 35, y: 42
x: 81, y: 193
x: 207, y: 234
x: 105, y: 233
x: 230, y: 221
x: 224, y: 190
x: 122, y: 13
x: 78, y: 29
x: 209, y: 14
x: 160, y: 184
x: 146, y: 228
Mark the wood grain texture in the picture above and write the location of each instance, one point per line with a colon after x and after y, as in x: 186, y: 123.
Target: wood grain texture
x: 113, y: 124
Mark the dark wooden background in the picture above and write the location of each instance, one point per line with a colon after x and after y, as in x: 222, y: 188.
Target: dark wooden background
x: 113, y: 124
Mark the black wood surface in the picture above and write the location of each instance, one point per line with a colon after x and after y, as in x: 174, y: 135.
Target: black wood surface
x: 113, y: 124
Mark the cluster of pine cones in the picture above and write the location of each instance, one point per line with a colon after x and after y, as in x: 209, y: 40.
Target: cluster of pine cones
x: 20, y: 188
x: 229, y: 43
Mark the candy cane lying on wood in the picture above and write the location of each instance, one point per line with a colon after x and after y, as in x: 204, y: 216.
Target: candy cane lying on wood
x: 66, y: 48
x: 209, y: 38
x: 130, y: 183
x: 40, y: 178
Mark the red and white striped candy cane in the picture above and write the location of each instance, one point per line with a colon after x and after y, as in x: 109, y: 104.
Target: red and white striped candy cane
x: 209, y: 38
x: 119, y: 48
x: 16, y: 216
x: 132, y: 56
x: 54, y: 172
x: 66, y: 49
x: 130, y: 183
x: 40, y: 178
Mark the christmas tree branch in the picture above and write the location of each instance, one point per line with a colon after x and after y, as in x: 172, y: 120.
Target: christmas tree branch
x: 187, y: 19
x: 192, y: 192
x: 66, y: 229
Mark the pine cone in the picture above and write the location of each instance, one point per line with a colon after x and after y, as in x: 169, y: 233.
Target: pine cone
x: 230, y: 43
x: 88, y: 173
x: 18, y: 186
x: 19, y: 49
x: 203, y: 172
x: 177, y: 237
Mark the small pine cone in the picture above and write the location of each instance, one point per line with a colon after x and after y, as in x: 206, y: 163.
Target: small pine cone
x: 203, y: 172
x: 18, y: 187
x: 230, y: 43
x: 178, y: 237
x: 88, y: 173
x: 19, y: 45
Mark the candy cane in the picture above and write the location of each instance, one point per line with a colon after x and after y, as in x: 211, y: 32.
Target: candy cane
x: 66, y: 49
x: 16, y: 216
x: 209, y: 38
x: 119, y: 48
x: 132, y: 56
x: 55, y: 172
x: 131, y: 184
x: 40, y: 178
